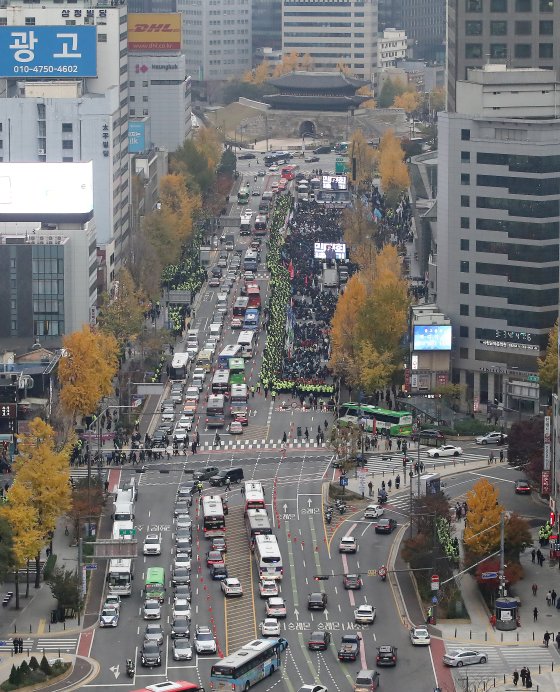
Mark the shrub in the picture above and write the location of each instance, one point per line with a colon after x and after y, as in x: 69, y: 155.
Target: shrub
x: 36, y: 676
x: 14, y: 675
x: 45, y: 666
x: 49, y: 566
x: 24, y: 670
x: 33, y: 663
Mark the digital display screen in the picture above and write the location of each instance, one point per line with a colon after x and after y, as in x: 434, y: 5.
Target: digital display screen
x: 434, y: 337
x: 335, y: 182
x: 330, y: 251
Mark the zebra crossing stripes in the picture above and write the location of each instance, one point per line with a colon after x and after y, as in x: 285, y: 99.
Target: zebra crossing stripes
x: 57, y: 643
x: 7, y: 645
x: 503, y: 661
x: 392, y: 463
x: 77, y: 472
x: 241, y: 443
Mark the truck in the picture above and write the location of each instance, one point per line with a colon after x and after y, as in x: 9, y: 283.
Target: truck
x: 330, y: 277
x: 349, y: 647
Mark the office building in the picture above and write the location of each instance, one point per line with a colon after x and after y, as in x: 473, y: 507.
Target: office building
x: 216, y: 38
x: 423, y: 21
x: 518, y: 33
x: 77, y: 108
x: 391, y: 48
x: 266, y: 27
x: 498, y: 226
x: 333, y: 33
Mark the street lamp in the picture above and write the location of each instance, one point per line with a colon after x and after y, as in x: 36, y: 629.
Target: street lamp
x: 411, y: 476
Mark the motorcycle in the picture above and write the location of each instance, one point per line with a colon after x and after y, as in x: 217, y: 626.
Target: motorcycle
x: 130, y: 668
x: 328, y: 516
x: 383, y: 573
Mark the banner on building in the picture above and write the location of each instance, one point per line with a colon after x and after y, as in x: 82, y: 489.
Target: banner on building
x: 154, y: 31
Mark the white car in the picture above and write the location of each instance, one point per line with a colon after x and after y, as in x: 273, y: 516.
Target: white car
x: 192, y: 393
x: 268, y: 587
x: 420, y: 636
x: 152, y: 544
x: 365, y: 614
x: 445, y: 451
x: 270, y: 628
x: 113, y: 600
x: 181, y: 608
x: 182, y: 650
x: 109, y: 617
x: 231, y: 587
x: 168, y: 415
x: 204, y: 642
x: 348, y: 544
x: 182, y: 561
x: 152, y: 609
x: 273, y: 168
x: 210, y: 346
x: 464, y: 657
x: 495, y: 437
x: 373, y: 512
x: 184, y: 423
x: 276, y: 607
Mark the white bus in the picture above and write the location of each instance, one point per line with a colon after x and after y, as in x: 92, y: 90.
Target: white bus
x: 257, y: 523
x: 268, y: 557
x: 245, y: 340
x: 230, y: 351
x: 127, y: 527
x: 119, y: 576
x: 254, y: 495
x: 220, y: 382
x: 238, y: 398
x: 213, y: 518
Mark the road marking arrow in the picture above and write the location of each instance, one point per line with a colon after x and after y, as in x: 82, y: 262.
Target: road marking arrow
x: 326, y: 613
x: 296, y: 613
x: 285, y: 507
x: 115, y: 670
x: 309, y: 502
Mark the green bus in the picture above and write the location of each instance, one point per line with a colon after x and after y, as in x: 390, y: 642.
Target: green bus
x: 155, y: 584
x: 243, y: 194
x: 398, y: 423
x: 236, y: 371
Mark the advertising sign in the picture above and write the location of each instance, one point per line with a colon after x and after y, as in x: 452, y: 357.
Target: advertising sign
x: 434, y: 337
x: 48, y: 51
x: 547, y: 452
x: 545, y: 483
x: 329, y: 251
x: 136, y: 136
x: 154, y: 31
x: 335, y: 182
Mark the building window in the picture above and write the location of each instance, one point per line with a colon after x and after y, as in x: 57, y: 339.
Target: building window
x: 67, y: 159
x: 464, y: 310
x: 132, y: 111
x: 67, y: 144
x: 523, y: 28
x: 465, y: 201
x: 465, y: 179
x: 498, y: 5
x: 498, y: 50
x: 465, y: 222
x: 464, y: 288
x: 498, y: 28
x: 473, y: 28
x: 145, y: 84
x: 146, y: 111
x: 465, y: 157
x: 545, y: 50
x: 101, y: 38
x: 522, y: 50
x: 463, y: 331
x: 546, y: 5
x: 473, y: 50
x: 464, y: 244
x: 132, y: 99
x: 464, y: 353
x: 30, y: 21
x: 67, y: 127
x: 523, y: 5
x: 145, y: 99
x: 464, y: 266
x: 465, y: 135
x: 546, y: 27
x: 473, y: 5
x: 131, y: 84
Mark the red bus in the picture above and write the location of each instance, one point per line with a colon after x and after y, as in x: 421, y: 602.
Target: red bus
x: 254, y: 295
x: 289, y: 172
x: 179, y: 686
x: 260, y: 225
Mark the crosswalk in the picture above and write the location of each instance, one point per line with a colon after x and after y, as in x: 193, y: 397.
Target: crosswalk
x: 503, y: 661
x: 380, y: 462
x: 40, y: 644
x: 77, y: 472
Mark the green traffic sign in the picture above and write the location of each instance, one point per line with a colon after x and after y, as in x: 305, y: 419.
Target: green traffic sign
x: 533, y: 378
x: 127, y: 532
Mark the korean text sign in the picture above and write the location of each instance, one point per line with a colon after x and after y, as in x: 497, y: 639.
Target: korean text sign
x: 48, y: 51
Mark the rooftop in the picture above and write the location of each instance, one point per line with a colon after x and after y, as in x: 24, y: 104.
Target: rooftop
x: 319, y: 81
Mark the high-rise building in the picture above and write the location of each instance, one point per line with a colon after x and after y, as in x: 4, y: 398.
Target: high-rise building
x: 423, y: 21
x: 518, y: 33
x: 266, y: 27
x: 391, y: 47
x: 333, y: 33
x: 216, y: 38
x: 66, y: 100
x: 498, y: 227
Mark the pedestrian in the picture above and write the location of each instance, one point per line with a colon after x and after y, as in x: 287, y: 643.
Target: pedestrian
x: 370, y: 488
x: 501, y: 455
x: 285, y: 437
x: 535, y: 614
x: 558, y: 641
x: 228, y: 483
x: 106, y: 486
x: 306, y: 435
x: 523, y: 675
x: 242, y: 490
x: 553, y: 595
x: 533, y: 555
x: 546, y: 638
x: 528, y: 681
x: 15, y: 643
x: 539, y: 555
x: 515, y: 677
x: 548, y: 597
x: 534, y: 588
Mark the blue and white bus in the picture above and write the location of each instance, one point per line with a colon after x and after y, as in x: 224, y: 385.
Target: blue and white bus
x: 230, y: 351
x: 247, y: 666
x: 251, y: 320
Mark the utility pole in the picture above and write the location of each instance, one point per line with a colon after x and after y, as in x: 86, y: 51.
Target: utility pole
x: 80, y: 577
x: 502, y: 555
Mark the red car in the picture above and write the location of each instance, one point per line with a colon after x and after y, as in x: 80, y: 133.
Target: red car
x: 522, y: 488
x: 241, y: 418
x: 214, y: 557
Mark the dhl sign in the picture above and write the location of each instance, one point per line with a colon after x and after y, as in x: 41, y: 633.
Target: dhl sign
x: 154, y: 31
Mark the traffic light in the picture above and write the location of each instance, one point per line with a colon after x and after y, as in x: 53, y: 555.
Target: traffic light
x: 321, y: 577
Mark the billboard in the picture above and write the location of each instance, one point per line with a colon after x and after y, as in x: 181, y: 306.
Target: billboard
x: 433, y: 337
x: 154, y: 31
x: 136, y: 136
x: 335, y: 182
x: 48, y: 51
x: 329, y: 251
x: 59, y: 190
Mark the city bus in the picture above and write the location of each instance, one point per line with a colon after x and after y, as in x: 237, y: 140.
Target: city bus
x: 251, y: 261
x: 238, y: 399
x: 123, y: 531
x: 230, y: 351
x: 168, y: 686
x: 154, y: 586
x: 252, y: 663
x: 179, y: 366
x: 268, y: 557
x: 254, y: 495
x: 236, y: 371
x: 397, y: 423
x: 215, y: 416
x: 251, y: 319
x: 213, y: 517
x: 279, y: 157
x: 220, y: 381
x: 257, y: 523
x: 119, y: 576
x: 244, y: 194
x: 245, y: 340
x: 289, y: 172
x: 254, y: 295
x: 241, y: 304
x: 259, y: 227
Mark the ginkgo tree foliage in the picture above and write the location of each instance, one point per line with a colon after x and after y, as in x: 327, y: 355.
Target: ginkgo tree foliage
x: 482, y: 524
x: 391, y: 167
x: 548, y: 366
x: 123, y: 314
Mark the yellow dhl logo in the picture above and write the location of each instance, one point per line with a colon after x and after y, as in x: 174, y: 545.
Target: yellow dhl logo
x: 147, y: 28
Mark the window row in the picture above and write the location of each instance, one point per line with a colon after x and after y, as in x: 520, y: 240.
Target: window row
x: 510, y: 5
x: 475, y: 51
x: 500, y: 28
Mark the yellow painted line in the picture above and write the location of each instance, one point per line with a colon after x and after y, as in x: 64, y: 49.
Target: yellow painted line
x: 41, y: 628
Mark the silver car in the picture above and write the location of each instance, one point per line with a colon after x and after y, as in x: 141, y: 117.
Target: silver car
x: 464, y: 657
x: 182, y: 650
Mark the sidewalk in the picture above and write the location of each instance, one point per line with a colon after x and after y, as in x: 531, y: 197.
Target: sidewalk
x: 80, y: 674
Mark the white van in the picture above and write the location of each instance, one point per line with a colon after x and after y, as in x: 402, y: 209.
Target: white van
x: 221, y: 302
x: 215, y: 330
x: 267, y: 195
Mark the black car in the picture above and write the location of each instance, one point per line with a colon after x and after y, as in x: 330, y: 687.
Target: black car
x: 317, y: 601
x: 427, y: 435
x: 218, y: 572
x: 319, y: 641
x: 385, y: 526
x: 180, y: 628
x: 247, y: 155
x: 183, y: 591
x: 322, y: 150
x: 181, y: 576
x: 352, y: 581
x: 386, y: 655
x: 150, y: 654
x: 522, y: 487
x: 205, y: 473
